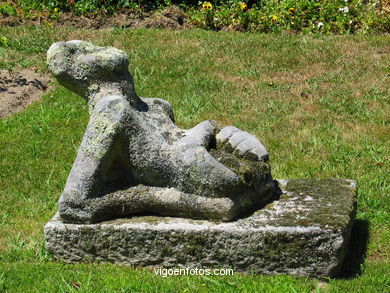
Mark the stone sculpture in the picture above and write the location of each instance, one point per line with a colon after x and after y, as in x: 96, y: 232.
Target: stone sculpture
x: 134, y: 159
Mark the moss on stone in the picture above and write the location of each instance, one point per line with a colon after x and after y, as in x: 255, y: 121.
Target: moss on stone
x: 195, y: 244
x: 326, y: 203
x: 279, y: 244
x: 248, y: 171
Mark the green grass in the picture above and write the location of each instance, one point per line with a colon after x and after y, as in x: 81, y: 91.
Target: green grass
x: 320, y: 104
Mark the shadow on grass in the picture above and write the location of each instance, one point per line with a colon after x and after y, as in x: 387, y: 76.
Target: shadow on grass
x: 356, y: 251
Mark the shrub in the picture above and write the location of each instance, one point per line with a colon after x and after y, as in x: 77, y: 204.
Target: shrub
x: 305, y: 16
x: 7, y: 9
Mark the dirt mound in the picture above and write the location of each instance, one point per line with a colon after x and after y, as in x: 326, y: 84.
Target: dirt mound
x: 18, y: 90
x: 169, y: 18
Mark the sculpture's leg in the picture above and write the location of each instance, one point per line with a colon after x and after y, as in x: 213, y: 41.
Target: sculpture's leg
x: 101, y: 163
x: 161, y: 201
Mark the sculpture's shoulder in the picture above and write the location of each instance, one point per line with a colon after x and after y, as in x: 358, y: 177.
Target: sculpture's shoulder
x: 156, y: 105
x: 113, y: 106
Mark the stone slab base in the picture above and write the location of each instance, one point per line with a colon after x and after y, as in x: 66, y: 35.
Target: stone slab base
x: 304, y: 232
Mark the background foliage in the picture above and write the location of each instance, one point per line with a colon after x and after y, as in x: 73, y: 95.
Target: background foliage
x: 305, y: 16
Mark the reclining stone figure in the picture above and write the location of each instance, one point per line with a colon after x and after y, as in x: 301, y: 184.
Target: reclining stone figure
x: 134, y: 159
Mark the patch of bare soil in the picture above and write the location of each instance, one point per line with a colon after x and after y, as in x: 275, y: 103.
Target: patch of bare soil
x: 169, y: 18
x: 18, y: 90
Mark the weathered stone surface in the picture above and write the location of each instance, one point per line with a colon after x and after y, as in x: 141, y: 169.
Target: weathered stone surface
x: 133, y: 158
x: 305, y: 232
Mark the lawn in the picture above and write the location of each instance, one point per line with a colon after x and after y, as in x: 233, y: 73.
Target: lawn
x: 320, y: 104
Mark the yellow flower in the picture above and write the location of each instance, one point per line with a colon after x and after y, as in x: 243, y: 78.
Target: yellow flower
x: 274, y: 18
x: 49, y: 24
x: 56, y: 10
x: 291, y: 10
x: 243, y: 6
x: 207, y: 5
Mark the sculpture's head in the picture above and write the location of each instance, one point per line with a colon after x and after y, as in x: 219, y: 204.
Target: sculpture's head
x: 86, y: 69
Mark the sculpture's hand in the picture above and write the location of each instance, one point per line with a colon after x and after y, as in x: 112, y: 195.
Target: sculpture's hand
x: 218, y: 165
x: 202, y: 134
x: 233, y: 140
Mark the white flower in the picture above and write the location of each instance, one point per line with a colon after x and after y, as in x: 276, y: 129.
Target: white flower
x: 320, y: 25
x: 345, y: 1
x: 344, y: 9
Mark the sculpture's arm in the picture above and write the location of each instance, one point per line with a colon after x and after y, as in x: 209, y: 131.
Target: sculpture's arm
x: 97, y: 154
